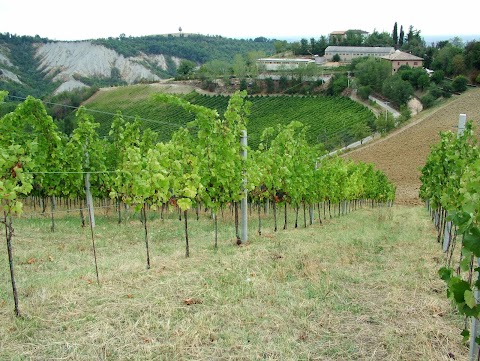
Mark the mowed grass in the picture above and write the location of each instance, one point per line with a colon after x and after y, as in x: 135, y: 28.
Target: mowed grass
x: 361, y: 287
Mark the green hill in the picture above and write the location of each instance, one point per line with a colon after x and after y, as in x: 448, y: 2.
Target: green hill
x: 331, y: 119
x: 41, y: 67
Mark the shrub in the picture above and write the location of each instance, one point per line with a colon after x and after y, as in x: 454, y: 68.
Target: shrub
x: 438, y: 76
x: 364, y: 92
x: 435, y: 91
x: 447, y: 90
x: 428, y: 100
x: 459, y: 84
x: 405, y: 114
x: 384, y: 124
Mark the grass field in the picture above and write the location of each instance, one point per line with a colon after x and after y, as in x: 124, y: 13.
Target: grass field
x: 361, y: 287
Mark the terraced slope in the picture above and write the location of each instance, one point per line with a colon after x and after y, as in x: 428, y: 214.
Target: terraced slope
x: 402, y: 154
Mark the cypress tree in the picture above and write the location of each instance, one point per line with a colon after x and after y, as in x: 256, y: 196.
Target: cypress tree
x: 401, y: 36
x: 395, y: 35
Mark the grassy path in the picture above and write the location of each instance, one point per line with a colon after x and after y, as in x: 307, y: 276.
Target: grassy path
x: 360, y: 287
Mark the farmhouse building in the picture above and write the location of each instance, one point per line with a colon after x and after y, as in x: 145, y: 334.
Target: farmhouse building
x: 274, y: 64
x: 347, y: 53
x: 399, y: 58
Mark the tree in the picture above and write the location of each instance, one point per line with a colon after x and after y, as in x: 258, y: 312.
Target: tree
x: 186, y: 68
x: 444, y: 59
x: 405, y: 114
x: 428, y: 100
x: 239, y: 66
x: 458, y: 64
x: 472, y: 55
x: 270, y: 85
x: 304, y: 48
x: 386, y: 123
x: 423, y: 81
x: 457, y: 42
x: 337, y: 85
x: 396, y: 89
x: 260, y: 39
x: 280, y: 46
x: 378, y: 39
x: 438, y: 76
x: 395, y: 35
x: 364, y: 91
x: 353, y: 38
x: 215, y: 69
x: 251, y: 62
x: 401, y: 37
x: 414, y: 43
x: 360, y: 130
x: 372, y: 72
x: 459, y: 84
x: 435, y: 91
x: 428, y: 56
x: 410, y: 34
x: 322, y: 44
x: 416, y: 76
x: 447, y: 89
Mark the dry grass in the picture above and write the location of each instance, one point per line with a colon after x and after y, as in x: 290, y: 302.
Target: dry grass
x: 361, y: 287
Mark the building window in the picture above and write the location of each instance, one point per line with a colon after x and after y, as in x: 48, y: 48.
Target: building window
x: 398, y: 63
x: 415, y: 63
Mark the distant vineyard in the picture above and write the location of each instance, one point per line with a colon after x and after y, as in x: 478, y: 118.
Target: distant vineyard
x: 331, y: 120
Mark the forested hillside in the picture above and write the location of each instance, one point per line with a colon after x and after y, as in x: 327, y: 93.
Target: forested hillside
x: 37, y: 66
x: 194, y: 47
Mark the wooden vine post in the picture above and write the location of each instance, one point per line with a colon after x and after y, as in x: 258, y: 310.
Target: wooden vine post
x: 244, y: 221
x: 7, y: 220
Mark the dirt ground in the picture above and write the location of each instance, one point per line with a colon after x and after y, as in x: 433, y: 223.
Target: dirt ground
x: 402, y: 154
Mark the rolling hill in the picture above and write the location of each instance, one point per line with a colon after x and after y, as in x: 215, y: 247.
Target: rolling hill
x: 38, y: 66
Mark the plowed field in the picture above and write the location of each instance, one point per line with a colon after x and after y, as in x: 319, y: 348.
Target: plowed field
x: 402, y: 153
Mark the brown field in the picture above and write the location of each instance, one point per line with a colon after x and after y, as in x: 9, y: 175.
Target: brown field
x: 402, y: 153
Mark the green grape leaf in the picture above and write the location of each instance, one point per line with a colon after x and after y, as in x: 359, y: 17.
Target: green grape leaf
x: 457, y: 288
x: 465, y: 262
x: 471, y: 241
x: 184, y: 203
x: 445, y: 273
x: 470, y: 299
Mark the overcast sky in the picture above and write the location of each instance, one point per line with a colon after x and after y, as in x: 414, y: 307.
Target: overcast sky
x: 88, y: 19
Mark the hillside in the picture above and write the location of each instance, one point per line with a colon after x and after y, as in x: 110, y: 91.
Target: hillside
x: 38, y: 67
x: 330, y: 120
x: 402, y: 153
